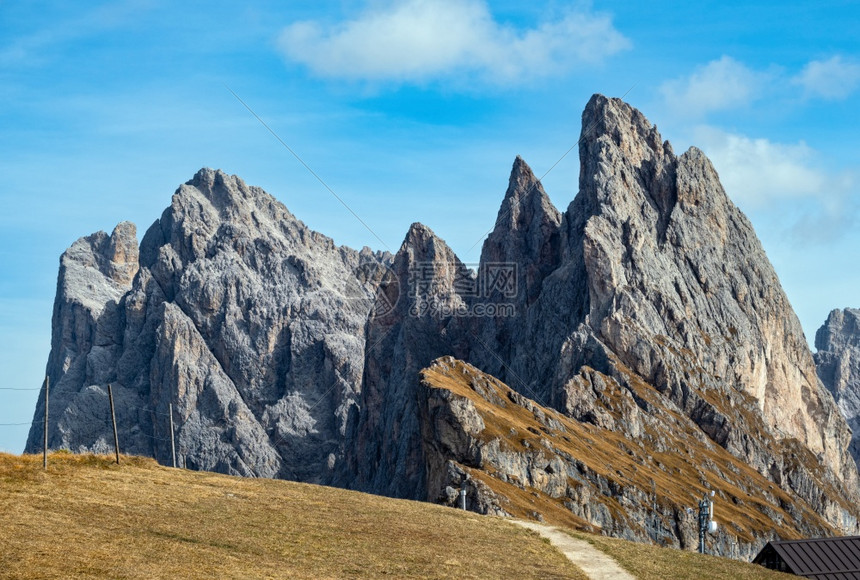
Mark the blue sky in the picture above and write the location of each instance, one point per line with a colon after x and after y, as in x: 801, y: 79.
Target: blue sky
x: 410, y: 110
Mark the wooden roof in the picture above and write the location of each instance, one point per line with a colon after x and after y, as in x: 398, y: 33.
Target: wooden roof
x: 820, y: 558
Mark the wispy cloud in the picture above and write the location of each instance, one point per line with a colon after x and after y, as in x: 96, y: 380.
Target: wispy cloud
x: 762, y: 175
x: 420, y: 40
x: 49, y: 37
x: 832, y: 79
x: 726, y: 84
x: 718, y: 85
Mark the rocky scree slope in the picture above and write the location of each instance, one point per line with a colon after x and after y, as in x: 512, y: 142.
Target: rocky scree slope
x: 287, y: 356
x: 838, y: 365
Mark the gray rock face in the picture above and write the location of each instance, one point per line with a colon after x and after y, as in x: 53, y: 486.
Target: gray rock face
x: 95, y: 273
x: 838, y: 365
x: 526, y: 233
x: 526, y: 241
x: 244, y: 319
x: 647, y: 310
x: 401, y: 341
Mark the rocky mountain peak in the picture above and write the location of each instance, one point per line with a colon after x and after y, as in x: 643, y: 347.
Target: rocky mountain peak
x: 666, y: 264
x: 215, y: 198
x: 623, y: 158
x: 207, y: 179
x: 521, y: 168
x: 96, y: 272
x: 701, y: 189
x: 841, y: 330
x: 97, y: 257
x: 838, y: 364
x: 419, y: 236
x: 623, y: 125
x: 423, y: 248
x: 225, y: 192
x: 525, y: 205
x: 522, y: 183
x: 426, y: 267
x: 526, y: 231
x: 213, y: 186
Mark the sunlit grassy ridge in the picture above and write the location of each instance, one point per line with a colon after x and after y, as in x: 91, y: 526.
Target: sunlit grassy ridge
x: 89, y: 518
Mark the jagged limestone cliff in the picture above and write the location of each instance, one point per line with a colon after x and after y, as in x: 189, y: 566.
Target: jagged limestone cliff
x: 647, y: 310
x: 659, y: 270
x: 247, y: 321
x: 96, y: 272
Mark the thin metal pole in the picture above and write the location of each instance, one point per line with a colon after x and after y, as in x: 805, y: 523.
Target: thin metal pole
x: 113, y: 418
x: 45, y: 450
x: 172, y: 436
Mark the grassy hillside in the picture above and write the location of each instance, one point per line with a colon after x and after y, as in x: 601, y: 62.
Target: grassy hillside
x: 89, y: 518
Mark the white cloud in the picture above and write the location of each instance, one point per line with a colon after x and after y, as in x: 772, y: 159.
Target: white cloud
x: 834, y: 78
x: 720, y: 84
x: 416, y: 40
x: 783, y: 178
x: 756, y: 172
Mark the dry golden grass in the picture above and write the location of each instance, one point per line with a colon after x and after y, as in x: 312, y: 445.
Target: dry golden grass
x: 648, y: 562
x: 86, y: 517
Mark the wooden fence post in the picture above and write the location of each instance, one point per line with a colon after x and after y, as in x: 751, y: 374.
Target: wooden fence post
x: 113, y: 418
x: 172, y: 436
x: 45, y: 451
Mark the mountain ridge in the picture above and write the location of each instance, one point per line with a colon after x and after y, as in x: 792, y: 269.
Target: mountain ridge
x: 285, y: 355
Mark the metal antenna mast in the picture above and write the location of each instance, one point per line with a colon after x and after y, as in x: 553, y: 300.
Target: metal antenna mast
x: 706, y: 519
